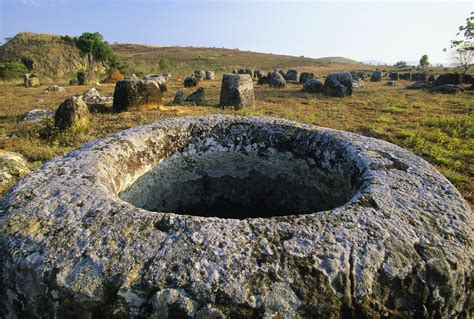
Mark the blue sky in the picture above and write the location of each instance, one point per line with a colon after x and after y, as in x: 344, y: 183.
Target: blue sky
x: 379, y: 30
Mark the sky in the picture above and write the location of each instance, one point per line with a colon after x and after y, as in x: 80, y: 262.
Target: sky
x: 386, y: 31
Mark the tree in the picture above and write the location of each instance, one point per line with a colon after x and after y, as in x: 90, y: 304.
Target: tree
x: 424, y: 61
x: 467, y: 31
x: 94, y: 45
x: 400, y: 64
x: 463, y: 56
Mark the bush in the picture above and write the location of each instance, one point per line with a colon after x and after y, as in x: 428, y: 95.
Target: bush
x: 12, y: 71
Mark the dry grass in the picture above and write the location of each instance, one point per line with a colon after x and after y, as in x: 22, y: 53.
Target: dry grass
x: 440, y: 128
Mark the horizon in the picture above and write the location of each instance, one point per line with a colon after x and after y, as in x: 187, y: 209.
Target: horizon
x: 362, y: 31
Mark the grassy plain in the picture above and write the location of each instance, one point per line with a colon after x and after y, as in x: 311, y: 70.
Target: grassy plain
x: 440, y: 128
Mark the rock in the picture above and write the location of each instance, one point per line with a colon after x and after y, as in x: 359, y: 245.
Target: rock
x: 72, y: 114
x: 90, y: 94
x: 448, y: 78
x: 13, y: 166
x: 30, y: 80
x: 376, y: 76
x: 358, y: 74
x: 420, y: 86
x: 447, y: 89
x: 281, y: 72
x: 357, y: 83
x: 338, y: 84
x: 262, y: 80
x: 37, y: 115
x: 190, y: 81
x: 130, y: 95
x: 53, y: 88
x: 236, y: 91
x: 394, y: 76
x: 313, y: 86
x: 235, y: 216
x: 392, y: 83
x: 159, y: 79
x: 200, y: 75
x: 73, y: 82
x: 83, y: 78
x: 196, y: 98
x: 133, y: 77
x: 292, y: 75
x: 468, y: 79
x: 179, y: 98
x: 113, y: 77
x: 259, y: 73
x: 167, y: 76
x: 275, y: 79
x: 305, y: 76
x: 210, y: 75
x: 419, y: 77
x: 431, y: 78
x: 405, y: 76
x: 247, y: 71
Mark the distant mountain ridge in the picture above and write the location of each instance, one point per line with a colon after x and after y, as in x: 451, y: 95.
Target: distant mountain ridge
x: 56, y: 56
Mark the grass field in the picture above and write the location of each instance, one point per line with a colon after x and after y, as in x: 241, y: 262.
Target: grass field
x: 440, y: 128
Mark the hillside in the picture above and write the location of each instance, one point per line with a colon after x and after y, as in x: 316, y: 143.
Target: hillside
x: 56, y: 56
x: 48, y: 55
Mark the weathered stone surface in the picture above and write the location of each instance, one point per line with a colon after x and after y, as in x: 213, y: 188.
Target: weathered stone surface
x: 118, y: 227
x: 305, y: 76
x: 129, y: 95
x: 113, y: 77
x: 72, y: 113
x: 83, y: 78
x: 259, y: 73
x: 405, y: 76
x: 159, y: 79
x: 53, y: 88
x: 447, y: 89
x: 96, y: 103
x: 449, y: 78
x: 262, y: 80
x: 419, y: 76
x: 376, y: 76
x: 292, y: 75
x: 357, y: 83
x: 13, y: 166
x: 420, y: 86
x: 394, y: 76
x: 190, y: 81
x: 338, y: 84
x: 358, y: 74
x: 210, y: 75
x: 247, y: 71
x: 313, y: 86
x: 196, y: 98
x: 199, y: 74
x: 276, y: 79
x: 179, y: 98
x: 30, y: 80
x: 236, y: 91
x: 37, y: 115
x: 392, y: 83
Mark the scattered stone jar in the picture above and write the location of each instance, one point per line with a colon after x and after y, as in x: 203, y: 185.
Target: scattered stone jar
x: 235, y: 217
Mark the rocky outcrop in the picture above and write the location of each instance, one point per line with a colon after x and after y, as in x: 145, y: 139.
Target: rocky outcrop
x: 159, y: 79
x: 148, y: 223
x: 338, y: 84
x: 236, y: 91
x: 72, y: 114
x: 419, y: 76
x: 179, y: 98
x: 37, y: 115
x: 53, y: 88
x: 129, y: 95
x: 420, y: 86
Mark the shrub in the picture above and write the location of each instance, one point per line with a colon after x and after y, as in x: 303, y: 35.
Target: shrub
x: 12, y: 71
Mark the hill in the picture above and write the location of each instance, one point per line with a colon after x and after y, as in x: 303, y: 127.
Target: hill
x: 148, y: 58
x: 56, y: 56
x: 49, y: 55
